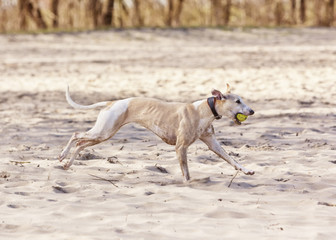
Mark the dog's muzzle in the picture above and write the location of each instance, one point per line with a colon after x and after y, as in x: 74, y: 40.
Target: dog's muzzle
x: 240, y: 117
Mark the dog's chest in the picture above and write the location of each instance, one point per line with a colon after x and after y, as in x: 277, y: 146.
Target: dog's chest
x: 203, y: 126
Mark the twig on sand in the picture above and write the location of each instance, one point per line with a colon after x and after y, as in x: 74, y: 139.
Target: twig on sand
x: 19, y: 162
x: 233, y: 178
x: 104, y: 179
x: 327, y: 204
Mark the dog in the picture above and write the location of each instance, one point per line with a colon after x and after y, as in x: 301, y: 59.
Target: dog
x: 179, y: 124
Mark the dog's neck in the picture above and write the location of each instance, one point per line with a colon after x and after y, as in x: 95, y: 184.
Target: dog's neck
x: 204, y: 110
x: 212, y: 105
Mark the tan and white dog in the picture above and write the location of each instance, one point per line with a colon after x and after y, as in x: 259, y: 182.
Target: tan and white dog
x: 178, y: 124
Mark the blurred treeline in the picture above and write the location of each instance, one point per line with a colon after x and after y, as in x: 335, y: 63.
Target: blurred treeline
x: 36, y: 15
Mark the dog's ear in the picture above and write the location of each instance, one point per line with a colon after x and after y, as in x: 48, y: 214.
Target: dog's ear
x: 228, y: 88
x: 217, y: 94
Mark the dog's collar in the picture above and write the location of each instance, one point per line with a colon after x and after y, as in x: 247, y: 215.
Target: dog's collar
x: 212, y: 102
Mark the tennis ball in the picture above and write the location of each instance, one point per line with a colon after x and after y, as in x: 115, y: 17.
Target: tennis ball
x: 241, y: 117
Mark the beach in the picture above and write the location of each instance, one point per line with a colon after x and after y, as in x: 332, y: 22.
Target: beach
x: 131, y: 186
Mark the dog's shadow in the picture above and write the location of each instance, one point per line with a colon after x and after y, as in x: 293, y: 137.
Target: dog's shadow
x: 193, y: 183
x: 86, y: 156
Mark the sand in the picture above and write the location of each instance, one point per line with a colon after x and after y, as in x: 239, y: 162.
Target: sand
x: 131, y: 187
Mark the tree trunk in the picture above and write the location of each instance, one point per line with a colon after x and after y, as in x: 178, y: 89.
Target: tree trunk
x: 216, y: 9
x: 124, y: 10
x: 138, y: 17
x: 178, y: 12
x: 170, y: 15
x: 303, y: 11
x: 3, y: 20
x: 293, y: 11
x: 108, y: 16
x: 54, y: 10
x: 318, y: 8
x: 39, y: 19
x: 94, y: 7
x: 22, y: 5
x: 71, y: 7
x: 330, y: 12
x: 279, y: 12
x: 26, y: 8
x: 124, y: 7
x: 227, y: 12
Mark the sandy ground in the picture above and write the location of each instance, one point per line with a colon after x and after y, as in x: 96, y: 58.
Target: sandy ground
x: 131, y: 186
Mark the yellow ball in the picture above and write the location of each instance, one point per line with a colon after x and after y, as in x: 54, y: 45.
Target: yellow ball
x: 241, y: 117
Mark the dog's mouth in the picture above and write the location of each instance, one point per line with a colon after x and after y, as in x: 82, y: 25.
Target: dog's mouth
x: 236, y: 120
x: 239, y: 118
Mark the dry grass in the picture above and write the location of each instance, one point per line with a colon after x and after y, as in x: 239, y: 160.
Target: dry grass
x: 88, y: 14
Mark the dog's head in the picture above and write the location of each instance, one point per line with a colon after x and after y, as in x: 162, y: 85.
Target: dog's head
x: 230, y: 105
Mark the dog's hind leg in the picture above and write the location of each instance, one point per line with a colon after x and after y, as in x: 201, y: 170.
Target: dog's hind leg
x: 83, y: 140
x: 81, y: 144
x: 67, y: 148
x: 94, y: 136
x: 108, y: 122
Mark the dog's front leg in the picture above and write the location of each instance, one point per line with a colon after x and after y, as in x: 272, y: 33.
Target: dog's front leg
x: 214, y: 146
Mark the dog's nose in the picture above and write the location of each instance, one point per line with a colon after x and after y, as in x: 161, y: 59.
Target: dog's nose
x: 251, y: 112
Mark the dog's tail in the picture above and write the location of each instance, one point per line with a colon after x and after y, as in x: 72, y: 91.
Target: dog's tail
x: 78, y: 106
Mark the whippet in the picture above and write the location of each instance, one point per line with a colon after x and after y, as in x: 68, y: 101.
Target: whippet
x: 178, y: 124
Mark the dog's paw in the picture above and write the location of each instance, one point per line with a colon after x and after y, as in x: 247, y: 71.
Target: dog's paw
x: 66, y: 166
x: 246, y: 171
x: 249, y: 172
x: 61, y: 157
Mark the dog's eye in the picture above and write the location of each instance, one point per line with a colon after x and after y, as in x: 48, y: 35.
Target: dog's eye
x: 238, y: 101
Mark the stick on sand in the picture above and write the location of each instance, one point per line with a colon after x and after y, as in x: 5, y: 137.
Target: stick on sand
x: 233, y: 178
